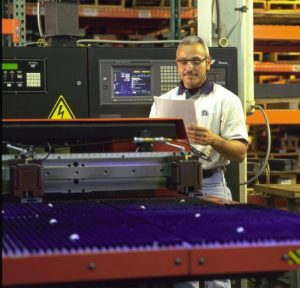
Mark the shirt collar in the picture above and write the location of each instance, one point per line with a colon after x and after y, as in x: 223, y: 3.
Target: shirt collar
x: 206, y: 88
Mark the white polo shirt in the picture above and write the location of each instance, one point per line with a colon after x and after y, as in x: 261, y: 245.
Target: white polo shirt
x: 221, y: 112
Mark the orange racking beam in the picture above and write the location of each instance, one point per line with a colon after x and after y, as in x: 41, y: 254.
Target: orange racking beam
x: 12, y: 27
x: 276, y: 32
x: 121, y: 12
x: 275, y: 117
x: 276, y: 67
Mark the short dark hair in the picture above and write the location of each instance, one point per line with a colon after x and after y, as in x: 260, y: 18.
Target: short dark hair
x: 193, y: 39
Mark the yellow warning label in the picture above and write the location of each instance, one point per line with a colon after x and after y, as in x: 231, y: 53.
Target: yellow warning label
x: 294, y: 257
x: 61, y: 110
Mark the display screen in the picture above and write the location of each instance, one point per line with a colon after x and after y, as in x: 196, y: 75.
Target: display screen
x: 131, y: 81
x: 9, y: 66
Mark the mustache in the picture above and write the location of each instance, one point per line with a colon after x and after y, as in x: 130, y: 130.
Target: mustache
x: 190, y: 74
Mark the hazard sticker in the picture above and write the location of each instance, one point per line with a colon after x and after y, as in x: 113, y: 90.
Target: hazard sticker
x: 61, y: 110
x: 294, y: 257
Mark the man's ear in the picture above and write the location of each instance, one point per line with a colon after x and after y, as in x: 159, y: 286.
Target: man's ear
x: 208, y: 63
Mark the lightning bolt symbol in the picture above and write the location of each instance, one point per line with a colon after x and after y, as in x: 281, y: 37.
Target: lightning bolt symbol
x: 61, y: 111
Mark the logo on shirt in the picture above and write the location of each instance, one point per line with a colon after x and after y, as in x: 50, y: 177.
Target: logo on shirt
x: 204, y: 113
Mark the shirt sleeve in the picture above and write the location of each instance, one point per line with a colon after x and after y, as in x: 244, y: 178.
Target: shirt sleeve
x: 233, y: 121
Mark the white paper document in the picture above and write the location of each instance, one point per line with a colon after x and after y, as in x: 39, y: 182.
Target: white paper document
x: 169, y: 108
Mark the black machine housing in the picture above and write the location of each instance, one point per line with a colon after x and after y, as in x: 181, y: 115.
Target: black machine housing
x: 91, y: 82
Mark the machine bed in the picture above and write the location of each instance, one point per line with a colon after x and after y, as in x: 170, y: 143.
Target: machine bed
x: 115, y: 239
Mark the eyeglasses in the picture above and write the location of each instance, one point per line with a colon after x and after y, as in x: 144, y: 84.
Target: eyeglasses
x: 194, y: 61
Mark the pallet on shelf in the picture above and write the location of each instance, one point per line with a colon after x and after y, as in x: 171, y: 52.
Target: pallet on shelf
x: 278, y: 79
x: 282, y: 57
x: 112, y: 3
x: 279, y: 103
x: 184, y: 3
x: 283, y: 6
x: 144, y: 3
x: 87, y: 2
x: 261, y: 79
x: 104, y: 3
x: 258, y: 56
x: 289, y: 143
x: 282, y: 168
x: 158, y: 3
x: 277, y: 177
x: 270, y: 90
x: 255, y: 155
x: 259, y: 5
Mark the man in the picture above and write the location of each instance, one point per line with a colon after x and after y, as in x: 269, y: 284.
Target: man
x: 221, y: 128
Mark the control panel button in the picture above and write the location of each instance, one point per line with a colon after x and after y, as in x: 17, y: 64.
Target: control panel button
x: 33, y: 79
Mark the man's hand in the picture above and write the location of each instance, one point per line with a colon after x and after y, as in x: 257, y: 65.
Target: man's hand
x: 233, y: 149
x: 200, y: 135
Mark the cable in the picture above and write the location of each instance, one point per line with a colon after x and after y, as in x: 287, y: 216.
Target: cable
x: 200, y: 154
x: 27, y: 151
x: 49, y: 151
x: 40, y: 43
x: 265, y: 161
x: 223, y: 41
x: 236, y: 22
x: 218, y: 30
x: 268, y: 173
x: 38, y: 15
x: 29, y: 44
x: 233, y: 27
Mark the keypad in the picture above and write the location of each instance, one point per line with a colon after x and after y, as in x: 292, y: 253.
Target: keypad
x: 169, y: 78
x: 33, y: 79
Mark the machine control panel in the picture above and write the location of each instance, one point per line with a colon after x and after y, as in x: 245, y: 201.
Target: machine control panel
x: 135, y: 81
x: 24, y: 75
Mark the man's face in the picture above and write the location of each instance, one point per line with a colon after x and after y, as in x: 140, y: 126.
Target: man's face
x: 192, y: 65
